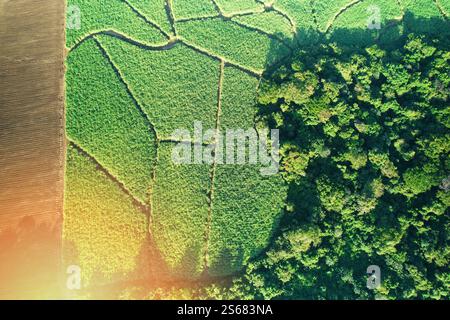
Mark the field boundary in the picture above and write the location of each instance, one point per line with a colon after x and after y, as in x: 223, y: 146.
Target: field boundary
x: 146, y: 19
x: 214, y: 166
x: 141, y: 206
x: 441, y: 9
x: 341, y: 11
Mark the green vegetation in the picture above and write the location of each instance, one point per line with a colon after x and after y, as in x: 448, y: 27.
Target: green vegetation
x: 270, y: 22
x: 246, y: 206
x: 246, y: 209
x: 111, y: 15
x: 238, y: 100
x: 326, y: 11
x: 193, y: 8
x: 155, y: 11
x: 104, y: 232
x: 358, y: 17
x: 299, y: 12
x: 180, y: 213
x: 104, y: 121
x: 235, y: 43
x: 445, y: 5
x: 174, y: 87
x: 422, y: 9
x: 233, y: 6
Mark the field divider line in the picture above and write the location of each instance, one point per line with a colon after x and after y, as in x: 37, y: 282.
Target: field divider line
x: 340, y: 12
x: 217, y: 7
x: 287, y: 17
x: 171, y: 16
x: 121, y: 78
x: 214, y: 167
x: 264, y: 33
x: 203, y: 51
x: 139, y: 204
x: 124, y: 37
x: 441, y: 9
x: 148, y: 122
x: 192, y: 143
x: 199, y: 18
x: 146, y: 19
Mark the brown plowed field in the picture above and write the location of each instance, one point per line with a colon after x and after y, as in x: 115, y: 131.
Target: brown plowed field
x: 31, y: 144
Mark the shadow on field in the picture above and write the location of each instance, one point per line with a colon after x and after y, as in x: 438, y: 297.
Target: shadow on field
x: 304, y: 196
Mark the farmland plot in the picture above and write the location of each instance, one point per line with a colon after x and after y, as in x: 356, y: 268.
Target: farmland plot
x: 233, y: 6
x: 326, y: 11
x: 155, y: 11
x: 159, y: 80
x: 239, y: 45
x: 104, y: 232
x: 298, y: 12
x: 193, y: 8
x: 181, y: 62
x: 107, y: 15
x: 104, y: 120
x: 180, y: 212
x: 245, y: 211
x: 363, y: 14
x: 270, y: 22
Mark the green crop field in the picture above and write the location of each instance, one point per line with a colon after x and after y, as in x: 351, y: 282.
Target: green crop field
x: 139, y: 70
x: 103, y: 229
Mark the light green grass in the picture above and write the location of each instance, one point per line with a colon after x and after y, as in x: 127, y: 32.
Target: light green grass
x: 423, y: 15
x: 326, y: 10
x: 356, y: 19
x: 238, y: 100
x: 300, y: 13
x: 154, y: 10
x: 245, y: 211
x: 445, y: 5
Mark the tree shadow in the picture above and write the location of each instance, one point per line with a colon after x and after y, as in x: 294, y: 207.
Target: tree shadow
x: 349, y: 41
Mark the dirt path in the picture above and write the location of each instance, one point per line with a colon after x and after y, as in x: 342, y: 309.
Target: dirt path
x: 32, y: 140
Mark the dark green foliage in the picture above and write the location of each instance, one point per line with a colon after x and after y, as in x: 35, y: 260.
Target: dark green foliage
x: 365, y: 150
